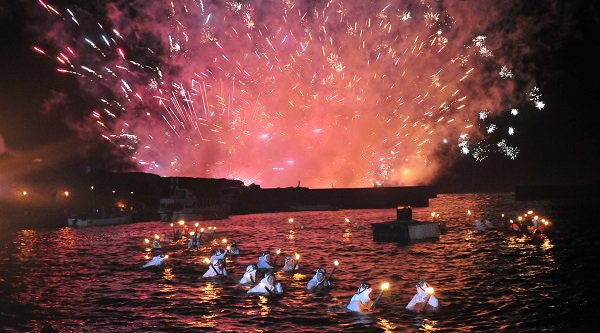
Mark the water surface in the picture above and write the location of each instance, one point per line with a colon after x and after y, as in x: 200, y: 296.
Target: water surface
x: 90, y: 280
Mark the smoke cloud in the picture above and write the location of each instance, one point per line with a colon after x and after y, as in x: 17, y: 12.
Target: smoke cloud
x: 332, y: 93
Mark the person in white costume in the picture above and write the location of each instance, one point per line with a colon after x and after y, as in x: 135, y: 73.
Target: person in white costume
x: 479, y: 226
x: 423, y: 300
x: 361, y: 301
x: 319, y: 281
x: 264, y: 261
x: 156, y: 261
x: 216, y: 270
x: 219, y: 254
x: 489, y: 224
x: 290, y: 264
x: 194, y: 241
x: 268, y: 286
x: 249, y: 276
x: 233, y: 248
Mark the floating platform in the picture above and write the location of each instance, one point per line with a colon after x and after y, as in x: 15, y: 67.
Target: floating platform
x: 404, y: 229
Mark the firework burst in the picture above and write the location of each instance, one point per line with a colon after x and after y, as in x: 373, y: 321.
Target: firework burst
x: 327, y: 92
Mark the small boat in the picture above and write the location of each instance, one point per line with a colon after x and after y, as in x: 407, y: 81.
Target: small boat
x: 79, y: 222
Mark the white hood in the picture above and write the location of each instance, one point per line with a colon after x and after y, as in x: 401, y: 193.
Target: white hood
x: 263, y: 262
x: 290, y: 265
x: 361, y: 301
x: 315, y: 282
x: 156, y: 261
x: 421, y: 296
x: 249, y: 277
x: 260, y: 288
x: 213, y: 271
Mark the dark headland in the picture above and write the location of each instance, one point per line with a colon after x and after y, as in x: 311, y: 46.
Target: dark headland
x: 48, y: 203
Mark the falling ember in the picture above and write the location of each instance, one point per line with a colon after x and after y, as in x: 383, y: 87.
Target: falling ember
x: 337, y: 90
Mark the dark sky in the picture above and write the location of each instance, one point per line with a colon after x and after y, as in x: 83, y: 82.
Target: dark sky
x: 558, y: 145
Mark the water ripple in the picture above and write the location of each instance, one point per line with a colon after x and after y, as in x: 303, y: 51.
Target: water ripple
x: 91, y: 279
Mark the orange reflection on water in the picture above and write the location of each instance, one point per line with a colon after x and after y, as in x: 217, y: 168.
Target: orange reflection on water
x: 265, y: 310
x: 429, y: 326
x: 347, y: 235
x: 168, y: 274
x: 209, y: 293
x: 25, y: 244
x: 387, y: 325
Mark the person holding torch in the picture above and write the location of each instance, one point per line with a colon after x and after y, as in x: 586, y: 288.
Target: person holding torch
x: 319, y: 282
x: 268, y: 286
x: 264, y: 261
x: 291, y: 264
x: 215, y: 270
x: 423, y: 300
x: 361, y: 301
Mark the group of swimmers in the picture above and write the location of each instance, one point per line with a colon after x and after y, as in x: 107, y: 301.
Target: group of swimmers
x: 361, y: 301
x: 528, y: 224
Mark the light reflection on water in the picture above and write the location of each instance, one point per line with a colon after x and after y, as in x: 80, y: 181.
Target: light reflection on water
x: 91, y: 279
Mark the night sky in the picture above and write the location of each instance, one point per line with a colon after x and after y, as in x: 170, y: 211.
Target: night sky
x: 558, y: 145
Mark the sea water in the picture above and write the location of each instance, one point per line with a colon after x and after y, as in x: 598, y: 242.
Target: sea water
x: 91, y: 280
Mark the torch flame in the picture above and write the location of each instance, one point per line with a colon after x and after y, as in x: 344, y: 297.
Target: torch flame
x: 429, y: 290
x: 336, y: 263
x: 146, y: 240
x: 385, y: 286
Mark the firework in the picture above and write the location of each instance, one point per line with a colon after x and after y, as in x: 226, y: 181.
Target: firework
x: 333, y: 93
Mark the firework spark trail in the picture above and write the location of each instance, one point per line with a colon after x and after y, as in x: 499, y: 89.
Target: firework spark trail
x: 331, y: 93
